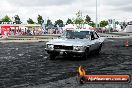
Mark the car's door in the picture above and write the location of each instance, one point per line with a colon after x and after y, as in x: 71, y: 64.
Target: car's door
x: 93, y: 41
x: 97, y: 43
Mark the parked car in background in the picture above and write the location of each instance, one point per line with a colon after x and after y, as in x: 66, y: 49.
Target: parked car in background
x: 77, y: 42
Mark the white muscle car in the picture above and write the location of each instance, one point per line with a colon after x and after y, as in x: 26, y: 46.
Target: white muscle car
x: 77, y: 42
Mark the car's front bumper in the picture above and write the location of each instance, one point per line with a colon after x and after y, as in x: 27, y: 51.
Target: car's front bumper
x: 64, y: 52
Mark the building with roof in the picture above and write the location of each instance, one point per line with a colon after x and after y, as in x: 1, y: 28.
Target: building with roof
x: 9, y: 28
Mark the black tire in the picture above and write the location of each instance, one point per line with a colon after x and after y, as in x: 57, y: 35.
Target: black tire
x: 52, y: 57
x: 82, y: 80
x: 99, y: 49
x: 86, y: 54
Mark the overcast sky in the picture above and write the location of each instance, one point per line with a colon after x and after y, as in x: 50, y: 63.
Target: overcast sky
x: 62, y: 9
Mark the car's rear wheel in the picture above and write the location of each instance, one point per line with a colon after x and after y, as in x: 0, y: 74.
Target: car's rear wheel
x: 99, y: 49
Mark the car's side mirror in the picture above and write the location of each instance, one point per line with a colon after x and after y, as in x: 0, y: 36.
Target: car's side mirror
x: 92, y: 38
x: 96, y: 38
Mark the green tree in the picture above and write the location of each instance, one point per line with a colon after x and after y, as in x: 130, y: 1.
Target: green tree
x: 87, y: 19
x: 117, y: 22
x: 92, y: 24
x: 59, y: 23
x: 40, y: 19
x: 103, y: 23
x: 69, y: 21
x: 30, y: 21
x: 6, y: 19
x: 49, y: 23
x: 78, y: 20
x: 17, y: 19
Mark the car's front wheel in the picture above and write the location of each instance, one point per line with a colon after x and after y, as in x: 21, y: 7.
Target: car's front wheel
x: 52, y: 57
x: 86, y: 54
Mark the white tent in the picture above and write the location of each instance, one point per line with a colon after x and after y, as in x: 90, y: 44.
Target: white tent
x: 69, y: 26
x: 118, y: 28
x: 128, y: 28
x: 86, y: 26
x: 74, y: 26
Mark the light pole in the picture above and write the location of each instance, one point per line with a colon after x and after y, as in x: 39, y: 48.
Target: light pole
x: 96, y: 15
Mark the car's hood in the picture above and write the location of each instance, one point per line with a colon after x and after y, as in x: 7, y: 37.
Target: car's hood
x: 70, y: 42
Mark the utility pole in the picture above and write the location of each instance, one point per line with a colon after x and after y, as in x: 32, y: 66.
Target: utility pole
x: 96, y: 15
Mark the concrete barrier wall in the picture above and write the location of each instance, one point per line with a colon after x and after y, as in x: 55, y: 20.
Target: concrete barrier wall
x: 40, y: 37
x: 52, y: 36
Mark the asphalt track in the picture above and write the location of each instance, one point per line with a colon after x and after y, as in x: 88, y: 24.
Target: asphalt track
x: 27, y: 65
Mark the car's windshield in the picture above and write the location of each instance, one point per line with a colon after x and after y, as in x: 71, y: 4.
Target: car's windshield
x: 76, y: 34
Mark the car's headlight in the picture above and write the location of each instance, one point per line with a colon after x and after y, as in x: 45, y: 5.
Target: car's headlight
x: 50, y: 46
x: 78, y: 48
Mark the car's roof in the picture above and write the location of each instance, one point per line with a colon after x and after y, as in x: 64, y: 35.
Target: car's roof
x: 81, y: 29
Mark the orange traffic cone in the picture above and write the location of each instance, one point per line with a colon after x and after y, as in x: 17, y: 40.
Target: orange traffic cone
x: 126, y: 43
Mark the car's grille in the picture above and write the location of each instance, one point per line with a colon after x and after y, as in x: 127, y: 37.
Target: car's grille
x: 63, y: 47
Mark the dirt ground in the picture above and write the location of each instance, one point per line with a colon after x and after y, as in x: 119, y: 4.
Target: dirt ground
x: 27, y: 65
